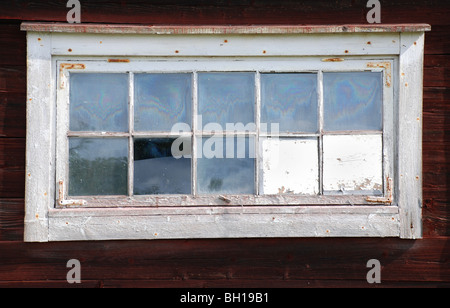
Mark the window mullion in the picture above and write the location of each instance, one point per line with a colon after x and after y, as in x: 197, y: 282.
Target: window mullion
x: 320, y: 113
x: 258, y: 128
x: 130, y: 137
x: 194, y: 132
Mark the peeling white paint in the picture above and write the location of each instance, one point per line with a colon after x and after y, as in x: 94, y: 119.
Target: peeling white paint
x: 352, y: 163
x: 290, y: 166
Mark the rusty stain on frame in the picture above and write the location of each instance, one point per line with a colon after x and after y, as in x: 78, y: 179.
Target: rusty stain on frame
x: 119, y: 60
x: 333, y: 60
x: 68, y: 66
x: 223, y: 198
x: 387, y: 67
x: 388, y: 198
x: 62, y: 202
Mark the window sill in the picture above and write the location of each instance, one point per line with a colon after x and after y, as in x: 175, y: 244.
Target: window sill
x: 223, y: 222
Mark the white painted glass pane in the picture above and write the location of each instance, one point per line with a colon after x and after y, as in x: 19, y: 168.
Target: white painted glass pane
x: 289, y: 166
x: 226, y: 98
x: 157, y: 171
x: 290, y: 100
x: 98, y: 166
x: 226, y: 165
x: 161, y: 101
x: 353, y: 101
x: 352, y: 163
x: 99, y: 102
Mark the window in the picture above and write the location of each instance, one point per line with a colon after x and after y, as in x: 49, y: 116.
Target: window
x: 223, y: 132
x: 257, y: 132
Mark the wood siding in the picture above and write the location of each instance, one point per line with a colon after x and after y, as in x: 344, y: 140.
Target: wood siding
x: 234, y: 262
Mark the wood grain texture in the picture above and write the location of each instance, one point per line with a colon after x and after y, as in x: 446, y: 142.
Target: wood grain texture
x: 11, y: 219
x: 227, y: 12
x: 245, y: 262
x: 13, y: 45
x: 229, y: 263
x: 12, y: 169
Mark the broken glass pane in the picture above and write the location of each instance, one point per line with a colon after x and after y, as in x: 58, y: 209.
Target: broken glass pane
x: 157, y: 171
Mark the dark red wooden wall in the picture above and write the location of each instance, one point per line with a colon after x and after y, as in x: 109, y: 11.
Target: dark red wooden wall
x: 231, y: 262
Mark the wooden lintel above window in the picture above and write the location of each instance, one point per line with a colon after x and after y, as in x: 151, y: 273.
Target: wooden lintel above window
x: 213, y: 29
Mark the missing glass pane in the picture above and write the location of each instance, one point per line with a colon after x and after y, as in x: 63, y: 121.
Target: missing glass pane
x: 157, y: 171
x: 353, y: 163
x: 99, y: 102
x: 289, y: 165
x: 98, y: 166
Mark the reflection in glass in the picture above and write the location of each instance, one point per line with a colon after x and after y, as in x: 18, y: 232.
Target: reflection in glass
x: 352, y: 101
x: 157, y: 171
x: 226, y: 98
x: 226, y: 165
x: 290, y: 100
x: 162, y: 100
x: 99, y: 102
x: 98, y: 166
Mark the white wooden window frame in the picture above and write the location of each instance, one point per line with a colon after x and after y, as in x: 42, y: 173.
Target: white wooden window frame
x: 224, y: 64
x: 54, y: 50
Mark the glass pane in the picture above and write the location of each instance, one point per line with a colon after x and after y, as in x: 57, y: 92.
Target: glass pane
x: 290, y: 100
x: 98, y: 166
x: 353, y: 163
x: 226, y: 98
x: 157, y: 171
x: 99, y: 102
x: 289, y: 165
x: 353, y: 101
x: 226, y: 165
x: 162, y: 100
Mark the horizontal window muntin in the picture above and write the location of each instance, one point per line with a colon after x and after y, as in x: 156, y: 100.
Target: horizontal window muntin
x: 197, y: 134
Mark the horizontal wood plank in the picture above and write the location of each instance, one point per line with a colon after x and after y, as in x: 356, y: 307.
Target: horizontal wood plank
x: 13, y: 42
x: 12, y: 167
x: 231, y: 260
x: 12, y: 115
x: 11, y: 219
x: 198, y: 45
x: 222, y: 226
x: 12, y: 79
x: 219, y: 29
x: 164, y: 288
x: 228, y: 12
